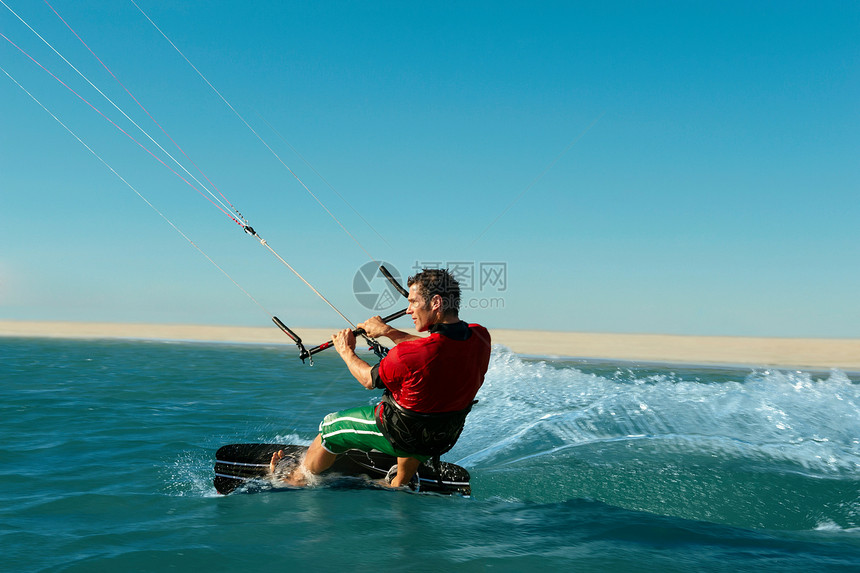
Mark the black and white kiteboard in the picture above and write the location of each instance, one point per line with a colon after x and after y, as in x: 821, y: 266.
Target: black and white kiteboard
x: 238, y: 465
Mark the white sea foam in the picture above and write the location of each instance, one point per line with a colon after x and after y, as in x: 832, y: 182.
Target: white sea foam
x: 528, y: 407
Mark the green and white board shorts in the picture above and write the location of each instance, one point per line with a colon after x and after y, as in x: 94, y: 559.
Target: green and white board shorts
x: 356, y: 429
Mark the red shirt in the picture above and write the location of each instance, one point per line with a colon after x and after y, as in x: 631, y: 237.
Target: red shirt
x: 438, y: 373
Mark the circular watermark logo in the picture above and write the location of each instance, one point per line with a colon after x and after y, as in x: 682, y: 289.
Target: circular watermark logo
x: 372, y: 289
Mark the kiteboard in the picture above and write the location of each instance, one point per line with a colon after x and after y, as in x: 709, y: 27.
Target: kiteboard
x: 238, y: 465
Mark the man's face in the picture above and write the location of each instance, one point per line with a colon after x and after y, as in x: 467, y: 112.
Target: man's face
x: 422, y: 313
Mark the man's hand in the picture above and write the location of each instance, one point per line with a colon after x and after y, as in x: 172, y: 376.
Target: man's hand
x: 374, y: 327
x: 344, y: 342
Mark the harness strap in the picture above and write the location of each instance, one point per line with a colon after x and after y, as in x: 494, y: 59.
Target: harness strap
x: 423, y: 433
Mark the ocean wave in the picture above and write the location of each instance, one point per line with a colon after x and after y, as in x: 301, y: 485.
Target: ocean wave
x: 697, y: 443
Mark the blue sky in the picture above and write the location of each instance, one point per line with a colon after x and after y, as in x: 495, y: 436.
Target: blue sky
x: 665, y: 167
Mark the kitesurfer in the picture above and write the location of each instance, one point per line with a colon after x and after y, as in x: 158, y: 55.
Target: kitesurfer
x: 430, y: 385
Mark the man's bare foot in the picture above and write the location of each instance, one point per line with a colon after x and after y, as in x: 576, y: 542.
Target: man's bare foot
x: 287, y: 470
x: 276, y: 457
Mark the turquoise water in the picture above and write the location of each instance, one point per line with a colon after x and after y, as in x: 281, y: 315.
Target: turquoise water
x: 106, y: 452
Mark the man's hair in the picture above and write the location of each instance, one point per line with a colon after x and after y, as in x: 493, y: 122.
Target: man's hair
x: 438, y: 281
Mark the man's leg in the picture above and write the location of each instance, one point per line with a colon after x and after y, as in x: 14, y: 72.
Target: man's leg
x: 406, y: 468
x: 318, y: 459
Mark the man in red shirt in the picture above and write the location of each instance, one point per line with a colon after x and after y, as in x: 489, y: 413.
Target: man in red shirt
x: 430, y: 384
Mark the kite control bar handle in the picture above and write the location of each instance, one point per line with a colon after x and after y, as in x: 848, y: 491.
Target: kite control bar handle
x: 295, y: 337
x: 394, y: 282
x: 375, y: 346
x: 356, y: 332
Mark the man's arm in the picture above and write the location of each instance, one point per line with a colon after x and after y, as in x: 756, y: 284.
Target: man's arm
x: 375, y: 328
x: 344, y: 343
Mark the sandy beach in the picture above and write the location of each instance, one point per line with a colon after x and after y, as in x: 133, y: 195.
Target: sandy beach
x: 814, y: 353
